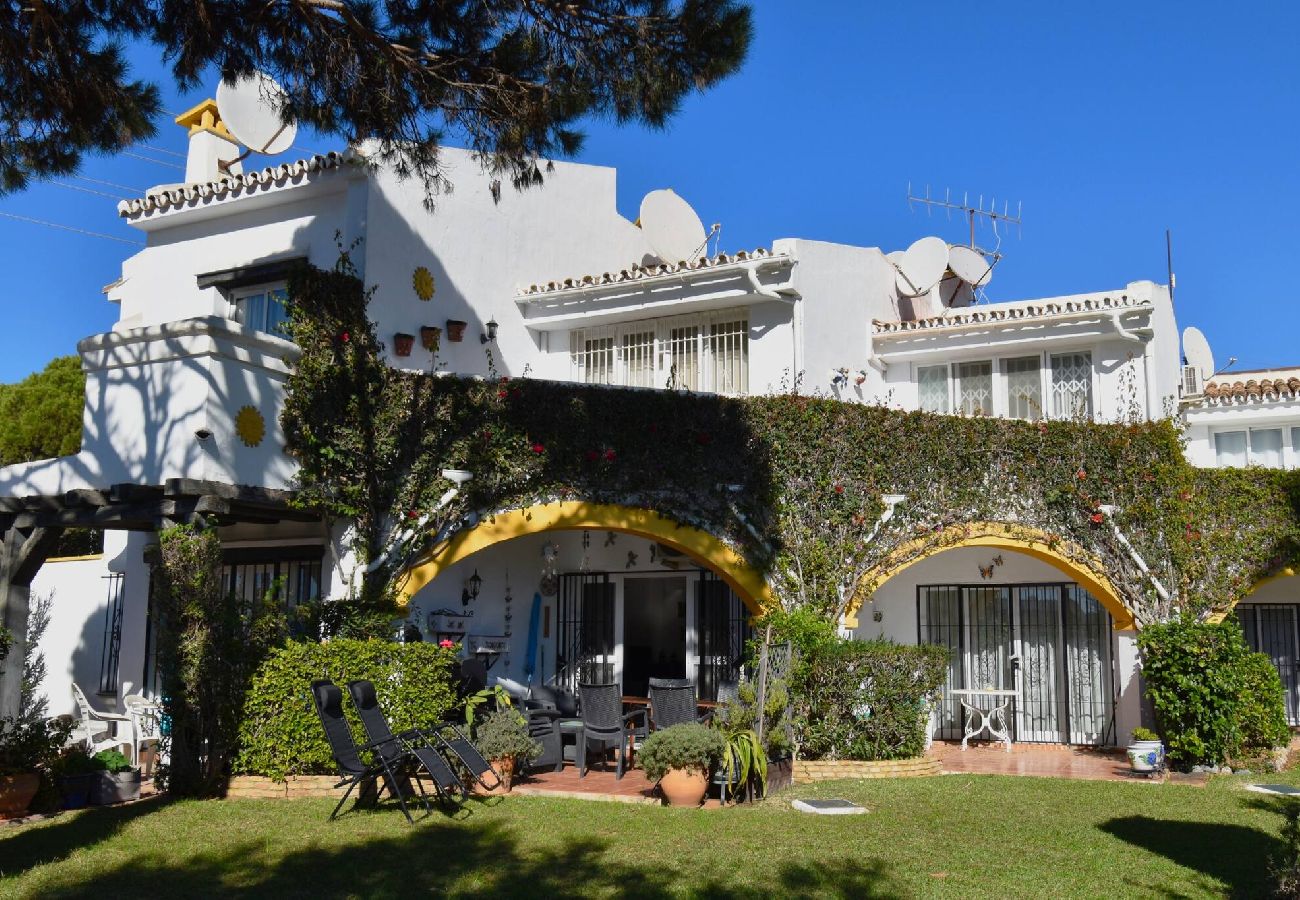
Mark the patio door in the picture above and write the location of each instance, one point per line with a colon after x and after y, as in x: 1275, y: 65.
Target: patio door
x: 1271, y: 629
x: 1048, y: 642
x: 584, y: 641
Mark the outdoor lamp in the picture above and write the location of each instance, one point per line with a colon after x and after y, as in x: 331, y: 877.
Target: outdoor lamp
x: 470, y: 591
x: 491, y: 332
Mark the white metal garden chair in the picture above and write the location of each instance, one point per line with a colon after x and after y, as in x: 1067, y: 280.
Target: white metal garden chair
x: 146, y: 723
x: 95, y: 729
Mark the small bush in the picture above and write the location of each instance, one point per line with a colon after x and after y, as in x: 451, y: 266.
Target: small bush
x: 1284, y: 868
x: 687, y: 746
x: 1212, y: 696
x: 1263, y: 707
x: 867, y: 699
x: 503, y: 734
x: 1144, y: 734
x: 280, y: 734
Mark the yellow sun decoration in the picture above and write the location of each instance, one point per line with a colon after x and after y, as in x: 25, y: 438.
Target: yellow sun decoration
x: 250, y: 426
x: 422, y: 280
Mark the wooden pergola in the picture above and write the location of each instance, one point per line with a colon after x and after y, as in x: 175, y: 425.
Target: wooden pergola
x: 30, y: 528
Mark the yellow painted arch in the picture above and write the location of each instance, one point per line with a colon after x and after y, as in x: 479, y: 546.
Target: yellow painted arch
x: 748, y: 583
x: 1016, y: 538
x: 1284, y: 572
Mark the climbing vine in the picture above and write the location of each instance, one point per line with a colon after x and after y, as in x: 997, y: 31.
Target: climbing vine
x: 793, y: 482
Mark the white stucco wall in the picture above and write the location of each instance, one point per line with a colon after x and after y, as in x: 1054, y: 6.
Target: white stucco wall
x: 74, y: 641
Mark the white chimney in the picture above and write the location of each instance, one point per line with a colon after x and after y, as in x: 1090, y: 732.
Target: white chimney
x: 210, y: 144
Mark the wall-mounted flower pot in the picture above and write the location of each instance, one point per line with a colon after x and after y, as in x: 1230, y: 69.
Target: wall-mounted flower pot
x: 430, y: 335
x: 455, y: 330
x: 402, y: 343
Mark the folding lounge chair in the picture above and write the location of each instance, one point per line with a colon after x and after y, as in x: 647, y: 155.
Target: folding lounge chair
x: 328, y: 700
x: 414, y: 744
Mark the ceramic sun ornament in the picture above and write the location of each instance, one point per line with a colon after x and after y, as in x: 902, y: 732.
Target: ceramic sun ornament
x: 250, y: 426
x: 422, y: 281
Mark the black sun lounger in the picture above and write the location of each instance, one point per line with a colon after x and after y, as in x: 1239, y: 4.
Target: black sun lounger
x: 412, y: 744
x: 328, y: 700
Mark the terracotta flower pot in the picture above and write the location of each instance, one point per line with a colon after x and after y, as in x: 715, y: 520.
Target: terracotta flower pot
x: 684, y: 787
x: 455, y: 330
x: 506, y: 769
x: 16, y: 793
x: 402, y: 343
x: 430, y: 336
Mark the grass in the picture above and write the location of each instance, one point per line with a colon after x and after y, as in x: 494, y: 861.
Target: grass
x: 955, y: 836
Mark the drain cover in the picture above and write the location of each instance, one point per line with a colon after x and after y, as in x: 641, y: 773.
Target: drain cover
x: 830, y: 807
x: 1284, y: 790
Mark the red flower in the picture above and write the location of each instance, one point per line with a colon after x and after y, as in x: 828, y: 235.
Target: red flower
x: 501, y: 395
x: 1096, y: 518
x: 487, y: 434
x: 1081, y: 474
x: 839, y: 488
x: 344, y: 337
x: 609, y: 456
x: 411, y: 514
x: 446, y: 644
x: 538, y: 448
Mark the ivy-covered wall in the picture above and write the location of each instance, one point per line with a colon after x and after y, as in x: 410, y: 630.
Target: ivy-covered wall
x: 793, y: 481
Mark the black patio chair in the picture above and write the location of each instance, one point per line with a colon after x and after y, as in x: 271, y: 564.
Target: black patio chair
x: 545, y: 696
x: 674, y: 705
x: 669, y: 682
x: 604, y: 724
x: 412, y: 749
x: 544, y: 727
x: 447, y: 739
x: 328, y: 701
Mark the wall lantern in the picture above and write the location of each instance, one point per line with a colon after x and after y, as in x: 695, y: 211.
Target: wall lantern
x: 471, y: 589
x: 491, y: 334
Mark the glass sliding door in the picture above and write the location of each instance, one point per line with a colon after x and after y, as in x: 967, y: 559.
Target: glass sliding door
x: 939, y: 614
x: 1039, y: 610
x: 1087, y: 667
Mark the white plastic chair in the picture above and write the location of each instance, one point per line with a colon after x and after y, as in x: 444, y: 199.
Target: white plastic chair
x: 146, y: 722
x: 97, y: 730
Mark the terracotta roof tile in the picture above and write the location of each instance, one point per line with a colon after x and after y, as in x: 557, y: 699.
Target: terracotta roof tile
x: 231, y: 186
x: 996, y: 313
x: 1284, y: 386
x: 638, y: 272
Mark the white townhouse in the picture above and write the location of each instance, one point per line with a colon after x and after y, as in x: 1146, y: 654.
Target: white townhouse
x: 183, y: 399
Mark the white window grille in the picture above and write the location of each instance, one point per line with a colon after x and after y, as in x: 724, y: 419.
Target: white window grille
x: 932, y: 385
x: 1024, y: 384
x: 975, y: 388
x: 697, y: 353
x: 1071, y: 385
x: 1230, y: 449
x: 1295, y: 448
x: 263, y: 308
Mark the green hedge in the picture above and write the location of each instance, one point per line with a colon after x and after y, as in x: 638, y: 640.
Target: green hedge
x: 1213, y: 697
x: 866, y: 699
x: 281, y: 735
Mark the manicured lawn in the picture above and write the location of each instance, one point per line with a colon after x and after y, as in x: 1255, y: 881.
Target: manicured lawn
x: 956, y: 836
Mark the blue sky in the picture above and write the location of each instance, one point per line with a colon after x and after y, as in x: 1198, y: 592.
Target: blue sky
x: 1110, y: 122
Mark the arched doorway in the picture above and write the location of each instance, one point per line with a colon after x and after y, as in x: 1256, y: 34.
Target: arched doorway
x: 1019, y: 615
x: 635, y: 595
x: 1270, y: 618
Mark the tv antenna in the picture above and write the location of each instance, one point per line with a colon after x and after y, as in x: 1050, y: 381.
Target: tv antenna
x: 974, y: 212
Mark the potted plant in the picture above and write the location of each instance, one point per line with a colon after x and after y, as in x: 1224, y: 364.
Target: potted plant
x: 403, y: 343
x: 1146, y: 754
x: 680, y: 759
x: 430, y: 335
x: 502, y: 737
x: 75, y: 773
x: 455, y: 330
x: 744, y: 763
x: 27, y: 750
x: 118, y: 782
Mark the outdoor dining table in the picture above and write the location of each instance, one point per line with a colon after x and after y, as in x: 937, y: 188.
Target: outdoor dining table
x: 991, y: 710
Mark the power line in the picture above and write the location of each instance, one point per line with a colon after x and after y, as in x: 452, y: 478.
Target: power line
x: 157, y: 162
x: 107, y: 237
x: 112, y: 184
x: 161, y: 150
x: 75, y: 187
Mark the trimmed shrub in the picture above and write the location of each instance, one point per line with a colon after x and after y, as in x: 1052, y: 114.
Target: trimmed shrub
x: 685, y: 746
x: 866, y: 699
x: 280, y: 734
x: 1263, y: 706
x: 1212, y: 696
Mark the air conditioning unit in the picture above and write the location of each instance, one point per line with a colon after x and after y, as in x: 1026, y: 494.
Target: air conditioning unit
x: 1192, y: 386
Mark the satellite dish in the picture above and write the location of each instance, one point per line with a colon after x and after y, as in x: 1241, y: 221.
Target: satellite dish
x: 922, y: 266
x: 250, y: 109
x: 1197, y: 351
x: 674, y: 231
x: 954, y: 292
x: 970, y: 266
